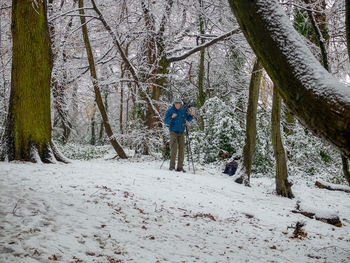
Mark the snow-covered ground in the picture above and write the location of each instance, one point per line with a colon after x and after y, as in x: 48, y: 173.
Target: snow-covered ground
x: 129, y: 211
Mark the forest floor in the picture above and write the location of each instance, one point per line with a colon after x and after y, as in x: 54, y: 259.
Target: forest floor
x: 132, y: 211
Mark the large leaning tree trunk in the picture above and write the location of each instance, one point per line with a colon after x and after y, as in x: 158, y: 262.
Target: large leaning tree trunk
x: 320, y: 41
x: 319, y: 101
x: 28, y: 127
x: 243, y: 175
x: 283, y: 187
x: 98, y: 96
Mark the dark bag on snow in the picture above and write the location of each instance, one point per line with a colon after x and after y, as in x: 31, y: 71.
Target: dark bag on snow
x: 231, y: 168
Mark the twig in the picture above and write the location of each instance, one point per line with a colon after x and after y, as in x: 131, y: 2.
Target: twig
x: 15, y: 209
x: 95, y: 192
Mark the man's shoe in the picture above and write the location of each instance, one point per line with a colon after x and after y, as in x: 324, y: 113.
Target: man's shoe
x: 180, y: 170
x: 171, y: 168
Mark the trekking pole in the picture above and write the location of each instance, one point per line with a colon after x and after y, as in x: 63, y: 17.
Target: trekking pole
x: 189, y: 156
x: 162, y: 163
x: 165, y: 155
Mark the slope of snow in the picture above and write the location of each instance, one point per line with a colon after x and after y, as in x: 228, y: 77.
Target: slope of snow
x: 127, y: 211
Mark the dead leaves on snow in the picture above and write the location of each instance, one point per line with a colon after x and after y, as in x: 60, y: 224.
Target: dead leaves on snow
x: 53, y: 257
x: 298, y: 231
x: 201, y: 215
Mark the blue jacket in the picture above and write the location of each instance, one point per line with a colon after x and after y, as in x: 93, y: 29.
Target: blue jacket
x: 177, y: 124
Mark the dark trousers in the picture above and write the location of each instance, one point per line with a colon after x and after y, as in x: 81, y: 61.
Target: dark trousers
x: 177, y: 146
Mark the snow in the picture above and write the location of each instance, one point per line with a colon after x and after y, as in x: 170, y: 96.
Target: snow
x: 132, y: 211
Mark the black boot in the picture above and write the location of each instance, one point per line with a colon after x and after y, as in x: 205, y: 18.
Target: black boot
x: 180, y: 170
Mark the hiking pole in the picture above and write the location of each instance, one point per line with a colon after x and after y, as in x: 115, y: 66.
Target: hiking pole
x: 165, y: 154
x: 162, y: 163
x: 189, y: 156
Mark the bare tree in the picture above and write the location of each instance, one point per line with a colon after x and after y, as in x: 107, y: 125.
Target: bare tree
x: 98, y: 96
x: 283, y: 186
x: 250, y: 131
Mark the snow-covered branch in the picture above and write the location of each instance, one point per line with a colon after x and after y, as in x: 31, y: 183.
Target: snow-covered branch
x: 205, y: 45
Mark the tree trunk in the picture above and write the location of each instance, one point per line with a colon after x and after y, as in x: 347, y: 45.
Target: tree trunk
x: 290, y: 121
x: 311, y: 93
x: 346, y: 168
x: 283, y: 187
x: 28, y: 127
x: 121, y: 108
x: 201, y: 96
x: 344, y: 160
x: 347, y: 24
x: 250, y: 135
x: 105, y: 93
x: 93, y: 128
x: 98, y: 96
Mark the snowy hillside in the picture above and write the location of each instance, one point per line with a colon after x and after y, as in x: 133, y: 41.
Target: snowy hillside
x: 113, y: 211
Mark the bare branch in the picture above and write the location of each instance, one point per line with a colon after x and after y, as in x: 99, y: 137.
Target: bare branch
x: 200, y: 47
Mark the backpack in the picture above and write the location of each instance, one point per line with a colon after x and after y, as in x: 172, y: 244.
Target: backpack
x: 231, y: 168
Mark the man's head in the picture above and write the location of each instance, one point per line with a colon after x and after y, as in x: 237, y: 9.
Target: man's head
x: 177, y: 104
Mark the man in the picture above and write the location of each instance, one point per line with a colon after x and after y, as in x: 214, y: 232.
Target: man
x: 176, y: 118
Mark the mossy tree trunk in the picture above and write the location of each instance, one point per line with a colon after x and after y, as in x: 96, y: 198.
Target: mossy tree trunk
x: 98, y: 96
x: 283, y: 187
x: 290, y: 121
x: 28, y: 127
x: 250, y: 134
x: 296, y: 72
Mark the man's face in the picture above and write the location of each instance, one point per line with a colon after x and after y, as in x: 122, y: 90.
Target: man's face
x: 177, y: 106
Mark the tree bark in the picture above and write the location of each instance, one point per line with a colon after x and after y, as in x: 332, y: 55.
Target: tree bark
x: 98, y: 96
x: 201, y: 96
x: 250, y: 134
x: 347, y: 24
x: 93, y: 128
x: 319, y: 101
x: 346, y: 171
x: 345, y: 161
x: 290, y: 121
x: 283, y: 187
x: 121, y: 108
x: 28, y: 126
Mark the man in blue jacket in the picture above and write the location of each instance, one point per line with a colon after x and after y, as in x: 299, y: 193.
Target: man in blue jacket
x: 176, y: 118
